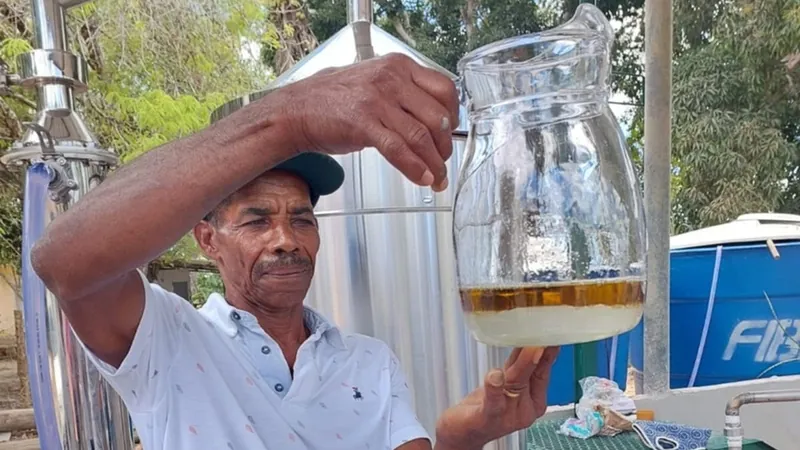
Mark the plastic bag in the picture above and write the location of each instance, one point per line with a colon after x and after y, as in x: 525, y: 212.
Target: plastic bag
x: 599, y: 395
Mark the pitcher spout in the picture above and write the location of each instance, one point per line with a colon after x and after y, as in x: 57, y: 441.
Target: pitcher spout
x: 588, y: 17
x: 573, y: 58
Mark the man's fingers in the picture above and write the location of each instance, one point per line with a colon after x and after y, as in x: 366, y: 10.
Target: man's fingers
x: 513, y: 357
x: 433, y: 114
x: 440, y: 86
x: 394, y: 148
x: 495, y: 397
x: 520, y: 370
x: 540, y: 378
x: 419, y: 138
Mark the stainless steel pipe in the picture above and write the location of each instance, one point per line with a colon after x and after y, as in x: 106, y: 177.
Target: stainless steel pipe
x: 734, y: 433
x: 49, y: 28
x: 359, y: 10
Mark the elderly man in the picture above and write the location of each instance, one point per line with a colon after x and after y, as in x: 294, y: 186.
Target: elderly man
x: 257, y: 369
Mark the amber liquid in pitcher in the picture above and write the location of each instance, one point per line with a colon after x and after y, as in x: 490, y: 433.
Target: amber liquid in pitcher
x: 617, y: 292
x: 556, y: 313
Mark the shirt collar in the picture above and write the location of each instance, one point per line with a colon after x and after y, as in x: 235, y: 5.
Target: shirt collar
x: 228, y: 319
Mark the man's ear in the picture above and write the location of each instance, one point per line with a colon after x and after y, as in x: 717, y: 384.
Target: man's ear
x: 204, y: 235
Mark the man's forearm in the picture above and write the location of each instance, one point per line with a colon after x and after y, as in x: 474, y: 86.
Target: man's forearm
x: 146, y: 206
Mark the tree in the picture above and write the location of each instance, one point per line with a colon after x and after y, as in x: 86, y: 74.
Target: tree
x: 445, y: 30
x: 157, y: 71
x: 736, y: 113
x: 10, y: 181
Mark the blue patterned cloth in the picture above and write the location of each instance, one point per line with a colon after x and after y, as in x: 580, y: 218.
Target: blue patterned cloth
x: 671, y: 436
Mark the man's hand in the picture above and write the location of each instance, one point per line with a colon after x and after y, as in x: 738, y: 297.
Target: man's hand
x: 510, y: 400
x: 403, y: 109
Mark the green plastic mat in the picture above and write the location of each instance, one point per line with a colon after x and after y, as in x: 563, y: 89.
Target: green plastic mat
x: 543, y: 435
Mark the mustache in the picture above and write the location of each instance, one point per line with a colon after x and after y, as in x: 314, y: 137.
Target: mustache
x: 285, y: 260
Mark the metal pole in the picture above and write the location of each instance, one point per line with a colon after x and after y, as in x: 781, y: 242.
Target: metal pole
x: 48, y: 25
x: 657, y: 171
x: 359, y: 10
x: 87, y: 413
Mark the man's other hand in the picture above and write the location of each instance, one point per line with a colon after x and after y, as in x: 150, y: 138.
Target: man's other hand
x: 510, y: 400
x: 403, y: 109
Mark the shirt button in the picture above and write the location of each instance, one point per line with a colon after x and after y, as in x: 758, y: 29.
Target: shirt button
x: 236, y: 316
x: 279, y: 387
x: 265, y: 350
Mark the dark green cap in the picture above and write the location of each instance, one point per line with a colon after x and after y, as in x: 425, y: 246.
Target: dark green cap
x: 323, y: 174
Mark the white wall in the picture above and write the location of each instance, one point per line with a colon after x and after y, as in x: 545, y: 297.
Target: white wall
x: 8, y: 302
x: 168, y: 279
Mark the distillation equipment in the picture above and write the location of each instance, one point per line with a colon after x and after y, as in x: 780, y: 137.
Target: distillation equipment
x: 74, y: 407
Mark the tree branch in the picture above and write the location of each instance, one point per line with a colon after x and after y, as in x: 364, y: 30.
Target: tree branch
x: 20, y: 98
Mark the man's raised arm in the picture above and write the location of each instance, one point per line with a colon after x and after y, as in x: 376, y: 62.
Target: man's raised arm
x: 89, y: 255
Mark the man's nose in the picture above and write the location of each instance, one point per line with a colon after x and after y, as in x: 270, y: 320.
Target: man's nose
x: 282, y: 239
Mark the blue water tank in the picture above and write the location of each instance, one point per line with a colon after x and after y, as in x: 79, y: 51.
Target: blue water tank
x: 563, y: 377
x: 748, y: 336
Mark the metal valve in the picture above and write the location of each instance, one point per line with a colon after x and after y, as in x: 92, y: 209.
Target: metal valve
x: 61, y: 180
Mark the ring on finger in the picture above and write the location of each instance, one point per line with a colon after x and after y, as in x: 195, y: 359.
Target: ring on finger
x: 512, y: 393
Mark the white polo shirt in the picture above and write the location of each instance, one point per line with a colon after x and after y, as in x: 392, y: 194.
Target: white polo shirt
x: 213, y: 379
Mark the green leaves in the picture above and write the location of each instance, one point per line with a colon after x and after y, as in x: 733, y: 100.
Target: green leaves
x: 157, y: 71
x: 11, y: 48
x: 10, y: 231
x: 735, y: 107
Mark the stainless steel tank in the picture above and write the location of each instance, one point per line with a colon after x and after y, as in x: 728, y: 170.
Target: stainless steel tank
x: 386, y: 266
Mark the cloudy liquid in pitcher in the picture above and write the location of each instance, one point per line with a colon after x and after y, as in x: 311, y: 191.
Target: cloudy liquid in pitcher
x: 557, y: 313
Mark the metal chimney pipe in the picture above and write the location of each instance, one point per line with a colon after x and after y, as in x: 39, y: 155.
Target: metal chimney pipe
x: 359, y: 10
x: 88, y: 413
x: 360, y: 16
x: 49, y: 25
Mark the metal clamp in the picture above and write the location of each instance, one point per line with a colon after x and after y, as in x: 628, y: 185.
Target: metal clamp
x: 45, y: 139
x: 61, y: 182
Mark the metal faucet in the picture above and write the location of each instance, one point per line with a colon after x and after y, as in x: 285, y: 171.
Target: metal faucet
x: 734, y: 433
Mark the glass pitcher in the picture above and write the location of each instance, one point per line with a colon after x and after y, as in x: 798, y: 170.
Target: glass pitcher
x: 548, y: 221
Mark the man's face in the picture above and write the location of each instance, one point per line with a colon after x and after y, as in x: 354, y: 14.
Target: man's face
x: 265, y: 241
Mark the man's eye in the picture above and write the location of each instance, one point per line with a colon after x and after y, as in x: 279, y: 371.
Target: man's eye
x: 257, y: 222
x: 304, y: 222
